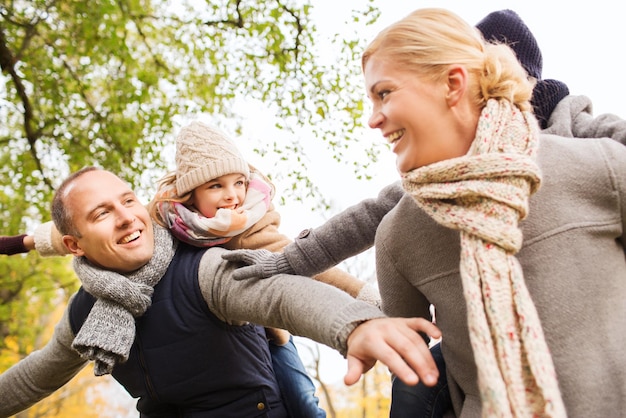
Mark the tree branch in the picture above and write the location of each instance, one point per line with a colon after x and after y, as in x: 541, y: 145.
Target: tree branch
x: 7, y: 64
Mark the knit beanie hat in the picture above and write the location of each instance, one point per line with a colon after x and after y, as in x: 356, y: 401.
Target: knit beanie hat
x: 507, y: 27
x: 204, y: 153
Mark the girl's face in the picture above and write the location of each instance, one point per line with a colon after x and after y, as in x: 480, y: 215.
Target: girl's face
x: 225, y: 192
x: 413, y: 114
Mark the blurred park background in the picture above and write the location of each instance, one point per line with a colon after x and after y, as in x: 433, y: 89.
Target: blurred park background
x: 109, y: 83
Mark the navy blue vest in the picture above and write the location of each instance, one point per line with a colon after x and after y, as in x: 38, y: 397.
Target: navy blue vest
x: 185, y: 362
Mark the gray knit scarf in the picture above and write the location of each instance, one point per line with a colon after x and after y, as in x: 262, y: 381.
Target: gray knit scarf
x: 109, y: 331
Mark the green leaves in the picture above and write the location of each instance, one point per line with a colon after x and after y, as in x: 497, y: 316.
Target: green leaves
x: 101, y: 82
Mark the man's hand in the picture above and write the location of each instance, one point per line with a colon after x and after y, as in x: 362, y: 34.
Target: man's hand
x: 396, y: 343
x: 260, y: 264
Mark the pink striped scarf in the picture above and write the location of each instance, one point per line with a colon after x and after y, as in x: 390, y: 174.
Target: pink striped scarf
x: 191, y: 227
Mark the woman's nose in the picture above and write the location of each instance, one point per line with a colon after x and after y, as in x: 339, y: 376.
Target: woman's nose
x: 375, y: 119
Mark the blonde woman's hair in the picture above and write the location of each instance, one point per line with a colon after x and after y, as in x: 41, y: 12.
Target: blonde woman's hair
x: 168, y: 181
x: 429, y: 40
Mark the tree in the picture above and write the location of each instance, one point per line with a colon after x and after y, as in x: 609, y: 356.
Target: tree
x: 102, y: 82
x: 30, y: 288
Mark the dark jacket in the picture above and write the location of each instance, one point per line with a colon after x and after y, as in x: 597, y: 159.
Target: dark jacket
x: 211, y: 370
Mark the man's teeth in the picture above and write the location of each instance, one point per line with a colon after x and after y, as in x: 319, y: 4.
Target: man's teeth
x: 130, y: 237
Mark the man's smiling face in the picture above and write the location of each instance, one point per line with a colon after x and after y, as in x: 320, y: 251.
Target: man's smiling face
x: 114, y: 230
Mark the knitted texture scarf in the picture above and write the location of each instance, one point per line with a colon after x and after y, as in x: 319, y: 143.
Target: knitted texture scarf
x: 191, y: 227
x: 485, y: 194
x: 109, y: 330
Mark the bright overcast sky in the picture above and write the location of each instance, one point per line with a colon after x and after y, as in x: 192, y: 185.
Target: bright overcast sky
x: 581, y: 42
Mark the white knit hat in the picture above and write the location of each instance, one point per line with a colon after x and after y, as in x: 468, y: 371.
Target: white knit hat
x: 204, y: 153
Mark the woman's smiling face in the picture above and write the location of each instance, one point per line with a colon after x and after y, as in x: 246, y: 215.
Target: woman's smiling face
x: 413, y: 115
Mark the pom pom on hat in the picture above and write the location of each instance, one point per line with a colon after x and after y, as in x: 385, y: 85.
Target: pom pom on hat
x: 204, y: 153
x: 507, y: 27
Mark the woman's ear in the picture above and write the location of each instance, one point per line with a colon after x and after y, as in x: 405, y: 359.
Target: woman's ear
x: 457, y: 78
x: 73, y: 246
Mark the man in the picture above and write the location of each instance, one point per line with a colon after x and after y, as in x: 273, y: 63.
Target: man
x: 192, y: 353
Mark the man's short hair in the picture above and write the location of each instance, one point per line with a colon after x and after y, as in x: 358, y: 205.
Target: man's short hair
x: 61, y: 214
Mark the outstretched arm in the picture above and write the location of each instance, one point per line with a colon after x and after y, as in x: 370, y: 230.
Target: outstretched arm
x: 344, y: 235
x: 16, y: 244
x: 46, y: 240
x: 321, y: 312
x: 316, y: 250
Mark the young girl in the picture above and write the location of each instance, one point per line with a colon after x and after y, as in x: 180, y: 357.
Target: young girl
x: 216, y: 198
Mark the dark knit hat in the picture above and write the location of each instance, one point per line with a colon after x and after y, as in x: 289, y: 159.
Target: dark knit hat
x: 204, y: 153
x: 505, y: 26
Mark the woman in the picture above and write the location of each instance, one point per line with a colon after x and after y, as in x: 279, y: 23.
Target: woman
x: 517, y: 321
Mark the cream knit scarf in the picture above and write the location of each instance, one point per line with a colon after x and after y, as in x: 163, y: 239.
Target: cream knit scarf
x: 109, y: 330
x: 484, y: 194
x: 191, y: 227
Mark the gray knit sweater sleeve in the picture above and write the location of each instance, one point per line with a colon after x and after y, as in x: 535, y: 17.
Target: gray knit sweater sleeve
x: 342, y: 236
x: 304, y: 307
x: 41, y: 372
x: 573, y: 118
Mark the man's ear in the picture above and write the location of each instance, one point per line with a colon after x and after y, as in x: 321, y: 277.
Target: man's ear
x: 73, y: 246
x: 457, y: 79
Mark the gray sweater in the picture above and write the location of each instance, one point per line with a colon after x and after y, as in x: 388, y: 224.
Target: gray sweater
x: 326, y: 315
x: 574, y: 266
x: 573, y: 260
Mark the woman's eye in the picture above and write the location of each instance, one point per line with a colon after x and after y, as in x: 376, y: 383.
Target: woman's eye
x: 382, y: 94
